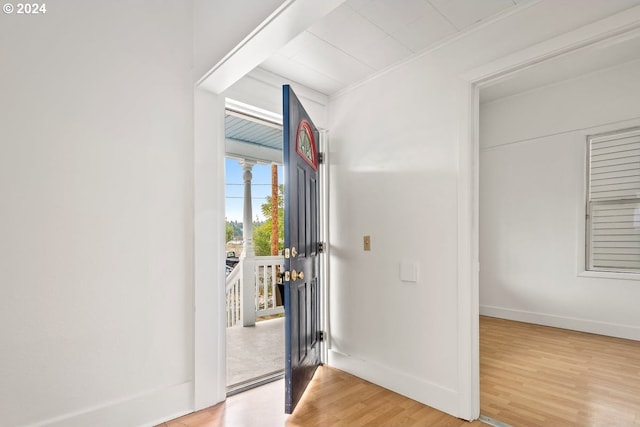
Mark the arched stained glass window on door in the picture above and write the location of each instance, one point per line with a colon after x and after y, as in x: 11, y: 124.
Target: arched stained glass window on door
x: 306, y: 144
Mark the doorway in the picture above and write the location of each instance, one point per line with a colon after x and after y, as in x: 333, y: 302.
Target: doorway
x: 253, y: 236
x: 531, y: 140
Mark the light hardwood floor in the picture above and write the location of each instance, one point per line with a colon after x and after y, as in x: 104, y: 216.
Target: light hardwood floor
x: 534, y: 375
x: 333, y: 398
x: 529, y: 376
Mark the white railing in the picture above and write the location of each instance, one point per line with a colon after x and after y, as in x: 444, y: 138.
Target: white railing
x: 266, y: 285
x: 233, y: 289
x: 266, y: 270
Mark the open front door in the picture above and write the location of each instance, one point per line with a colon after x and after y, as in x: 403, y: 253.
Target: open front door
x: 301, y: 284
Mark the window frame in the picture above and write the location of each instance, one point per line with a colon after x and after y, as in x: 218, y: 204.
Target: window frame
x: 589, y: 269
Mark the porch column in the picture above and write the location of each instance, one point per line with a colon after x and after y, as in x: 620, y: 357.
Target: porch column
x: 247, y: 214
x: 247, y: 258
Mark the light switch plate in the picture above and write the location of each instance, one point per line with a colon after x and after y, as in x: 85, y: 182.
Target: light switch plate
x: 366, y: 241
x: 408, y: 271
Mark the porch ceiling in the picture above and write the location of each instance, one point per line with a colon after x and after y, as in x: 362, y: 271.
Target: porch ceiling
x: 246, y: 129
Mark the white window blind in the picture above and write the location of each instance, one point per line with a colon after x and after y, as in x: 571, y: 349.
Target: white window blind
x: 613, y: 202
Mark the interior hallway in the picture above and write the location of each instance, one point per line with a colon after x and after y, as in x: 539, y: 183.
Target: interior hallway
x: 530, y: 376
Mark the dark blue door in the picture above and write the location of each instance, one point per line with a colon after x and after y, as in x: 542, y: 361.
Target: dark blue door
x: 301, y: 285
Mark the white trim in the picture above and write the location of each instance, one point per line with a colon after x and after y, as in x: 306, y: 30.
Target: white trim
x: 595, y: 201
x: 434, y: 395
x: 209, y: 340
x: 132, y: 410
x: 241, y: 150
x: 264, y: 88
x: 603, y: 31
x: 572, y: 323
x: 323, y: 178
x: 609, y: 275
x: 285, y: 23
x: 475, y: 253
x: 468, y: 290
x: 581, y: 224
x: 609, y: 127
x: 276, y: 81
x: 253, y: 111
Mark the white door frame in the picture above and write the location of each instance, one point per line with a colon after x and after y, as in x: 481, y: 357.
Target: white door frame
x: 209, y: 337
x: 619, y: 26
x: 209, y: 206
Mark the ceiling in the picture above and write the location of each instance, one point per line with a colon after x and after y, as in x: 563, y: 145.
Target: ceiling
x: 600, y: 56
x: 362, y: 37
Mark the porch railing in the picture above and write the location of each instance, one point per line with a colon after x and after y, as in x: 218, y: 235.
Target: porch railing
x: 233, y: 289
x: 266, y: 284
x: 265, y: 279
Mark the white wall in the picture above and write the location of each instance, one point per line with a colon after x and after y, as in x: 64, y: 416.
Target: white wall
x: 99, y: 268
x: 394, y: 177
x: 401, y: 171
x: 532, y: 206
x: 219, y: 25
x: 96, y: 246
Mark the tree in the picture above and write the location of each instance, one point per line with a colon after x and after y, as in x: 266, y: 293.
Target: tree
x: 262, y: 232
x: 233, y: 230
x: 229, y: 231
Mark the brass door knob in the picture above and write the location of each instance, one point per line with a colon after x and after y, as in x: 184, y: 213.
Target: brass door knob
x: 301, y: 275
x: 294, y: 275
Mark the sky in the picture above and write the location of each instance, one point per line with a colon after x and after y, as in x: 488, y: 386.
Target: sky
x: 234, y: 189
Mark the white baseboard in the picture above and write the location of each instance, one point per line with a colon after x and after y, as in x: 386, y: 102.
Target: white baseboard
x: 582, y: 325
x: 418, y: 389
x: 143, y: 409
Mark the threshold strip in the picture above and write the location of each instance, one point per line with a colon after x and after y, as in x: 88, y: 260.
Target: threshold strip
x: 493, y: 422
x: 254, y: 382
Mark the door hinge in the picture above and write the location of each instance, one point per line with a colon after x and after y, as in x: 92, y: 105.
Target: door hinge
x: 321, y: 247
x: 321, y: 335
x: 320, y: 158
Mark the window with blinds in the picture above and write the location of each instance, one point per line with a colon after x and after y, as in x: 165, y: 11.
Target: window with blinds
x: 613, y: 202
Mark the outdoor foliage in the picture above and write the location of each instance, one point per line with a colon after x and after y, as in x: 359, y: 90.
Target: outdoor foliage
x: 233, y: 230
x: 229, y: 231
x: 262, y: 232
